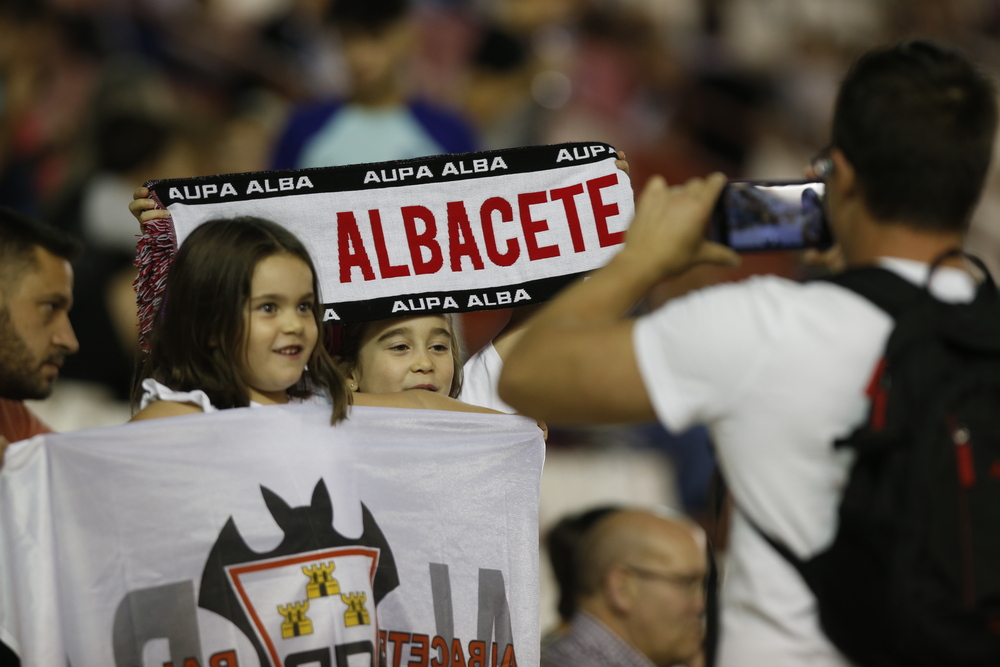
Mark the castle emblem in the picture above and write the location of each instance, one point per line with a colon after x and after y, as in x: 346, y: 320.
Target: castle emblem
x: 356, y: 613
x: 296, y: 623
x: 321, y: 583
x: 288, y: 602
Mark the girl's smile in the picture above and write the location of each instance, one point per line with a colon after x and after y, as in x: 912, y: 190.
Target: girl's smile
x: 282, y: 330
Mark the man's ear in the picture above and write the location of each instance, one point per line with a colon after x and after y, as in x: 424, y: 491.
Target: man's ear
x: 618, y: 589
x: 844, y: 178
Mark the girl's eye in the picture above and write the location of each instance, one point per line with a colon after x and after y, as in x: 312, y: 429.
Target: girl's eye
x: 305, y: 307
x: 267, y: 308
x: 399, y: 347
x: 440, y: 347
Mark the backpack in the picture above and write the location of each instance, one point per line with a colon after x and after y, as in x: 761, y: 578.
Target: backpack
x: 913, y: 575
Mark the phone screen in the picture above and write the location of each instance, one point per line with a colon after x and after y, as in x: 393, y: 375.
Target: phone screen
x: 758, y: 215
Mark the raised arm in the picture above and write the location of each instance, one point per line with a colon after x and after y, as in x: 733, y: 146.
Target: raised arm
x: 420, y: 400
x: 513, y: 331
x: 575, y: 363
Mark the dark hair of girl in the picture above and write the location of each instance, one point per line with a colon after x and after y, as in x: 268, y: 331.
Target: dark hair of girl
x: 353, y: 335
x: 199, y: 340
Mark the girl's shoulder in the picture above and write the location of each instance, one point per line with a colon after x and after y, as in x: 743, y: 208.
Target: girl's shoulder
x: 159, y: 400
x: 166, y: 409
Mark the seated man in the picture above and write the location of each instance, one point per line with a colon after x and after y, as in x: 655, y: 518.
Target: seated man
x: 641, y: 595
x: 36, y: 293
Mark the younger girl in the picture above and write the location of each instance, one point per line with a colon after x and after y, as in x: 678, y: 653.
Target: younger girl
x: 422, y: 352
x: 398, y: 354
x: 240, y: 325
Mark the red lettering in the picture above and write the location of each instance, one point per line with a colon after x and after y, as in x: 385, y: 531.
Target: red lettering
x: 566, y: 196
x: 441, y: 646
x: 457, y: 654
x: 351, y: 249
x: 384, y: 267
x: 461, y: 242
x: 224, y: 659
x: 418, y: 650
x: 532, y: 227
x: 508, y: 657
x: 422, y: 240
x: 191, y: 662
x: 490, y: 206
x: 398, y: 639
x: 604, y: 211
x: 477, y: 654
x: 493, y: 655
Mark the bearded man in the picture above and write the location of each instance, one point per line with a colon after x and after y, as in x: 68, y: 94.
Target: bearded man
x: 36, y: 294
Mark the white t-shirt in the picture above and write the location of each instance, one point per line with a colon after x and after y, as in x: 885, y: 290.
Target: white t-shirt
x: 777, y: 370
x: 481, y: 379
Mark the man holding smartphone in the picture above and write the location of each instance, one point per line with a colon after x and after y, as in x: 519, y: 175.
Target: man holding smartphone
x: 777, y: 369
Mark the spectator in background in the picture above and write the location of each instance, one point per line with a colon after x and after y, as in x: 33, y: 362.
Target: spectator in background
x: 641, y: 596
x: 48, y: 63
x: 378, y: 121
x: 497, y: 94
x: 36, y: 294
x: 129, y: 147
x: 563, y: 542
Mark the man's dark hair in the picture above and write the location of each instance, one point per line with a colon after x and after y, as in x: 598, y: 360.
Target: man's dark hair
x: 367, y: 15
x: 916, y: 121
x: 562, y: 542
x: 19, y: 235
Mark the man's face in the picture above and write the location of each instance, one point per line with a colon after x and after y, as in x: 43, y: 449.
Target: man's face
x: 35, y: 332
x: 668, y: 598
x: 374, y: 58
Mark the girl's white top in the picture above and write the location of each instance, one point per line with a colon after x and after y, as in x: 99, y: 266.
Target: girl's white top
x: 153, y: 391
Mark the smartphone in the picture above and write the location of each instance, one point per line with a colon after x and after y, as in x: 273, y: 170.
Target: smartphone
x: 771, y: 215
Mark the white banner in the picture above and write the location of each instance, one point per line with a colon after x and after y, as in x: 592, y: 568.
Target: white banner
x: 267, y: 537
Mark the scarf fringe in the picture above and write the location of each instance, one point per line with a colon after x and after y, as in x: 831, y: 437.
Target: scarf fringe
x: 154, y: 254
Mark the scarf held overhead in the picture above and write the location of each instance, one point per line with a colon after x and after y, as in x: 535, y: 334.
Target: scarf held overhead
x: 450, y: 233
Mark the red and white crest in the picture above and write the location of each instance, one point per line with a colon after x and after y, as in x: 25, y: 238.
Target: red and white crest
x: 313, y: 601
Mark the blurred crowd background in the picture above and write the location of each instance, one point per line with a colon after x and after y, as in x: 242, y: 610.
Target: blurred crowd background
x: 98, y: 96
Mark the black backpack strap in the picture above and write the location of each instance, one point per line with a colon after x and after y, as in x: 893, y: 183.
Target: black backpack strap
x: 893, y: 293
x: 887, y: 290
x: 8, y: 657
x: 711, y: 642
x: 783, y: 550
